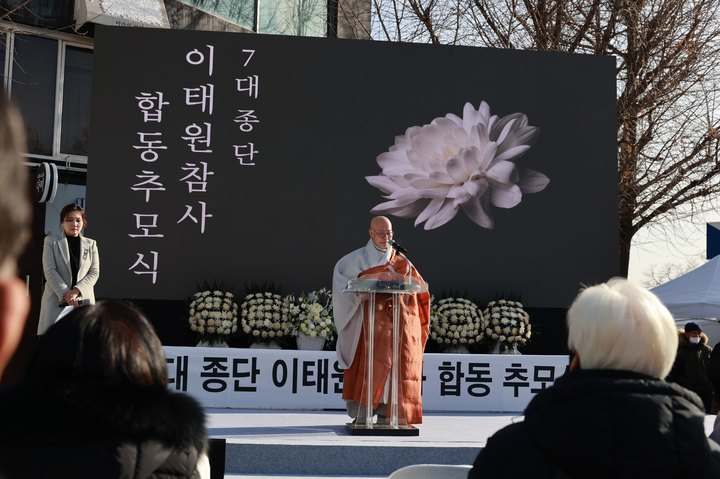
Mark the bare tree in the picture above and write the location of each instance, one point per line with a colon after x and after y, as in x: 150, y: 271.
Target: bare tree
x: 668, y: 54
x: 659, y: 274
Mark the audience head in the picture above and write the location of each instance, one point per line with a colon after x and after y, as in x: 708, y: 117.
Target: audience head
x: 620, y: 325
x: 693, y: 332
x: 16, y: 214
x: 109, y: 342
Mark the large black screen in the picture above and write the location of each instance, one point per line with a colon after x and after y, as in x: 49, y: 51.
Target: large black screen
x: 243, y: 158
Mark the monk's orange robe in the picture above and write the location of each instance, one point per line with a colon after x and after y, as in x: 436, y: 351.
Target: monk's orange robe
x: 414, y: 321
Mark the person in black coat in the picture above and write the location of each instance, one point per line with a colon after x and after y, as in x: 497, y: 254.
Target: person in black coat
x: 95, y: 404
x: 692, y: 363
x: 714, y: 376
x: 612, y: 416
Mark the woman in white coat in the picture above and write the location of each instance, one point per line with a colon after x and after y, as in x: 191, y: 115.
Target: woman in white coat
x: 71, y: 264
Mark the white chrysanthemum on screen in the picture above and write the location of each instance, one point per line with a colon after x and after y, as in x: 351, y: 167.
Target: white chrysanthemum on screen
x: 434, y: 170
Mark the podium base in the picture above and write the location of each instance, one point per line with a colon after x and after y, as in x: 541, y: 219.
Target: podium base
x: 381, y: 430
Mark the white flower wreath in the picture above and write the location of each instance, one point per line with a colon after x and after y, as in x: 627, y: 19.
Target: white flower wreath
x: 265, y: 316
x: 508, y: 322
x: 213, y: 315
x: 456, y: 321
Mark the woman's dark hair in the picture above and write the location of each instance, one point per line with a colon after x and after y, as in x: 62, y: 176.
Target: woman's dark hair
x: 111, y: 342
x: 67, y: 209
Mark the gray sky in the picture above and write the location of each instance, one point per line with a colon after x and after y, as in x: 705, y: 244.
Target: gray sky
x: 681, y: 246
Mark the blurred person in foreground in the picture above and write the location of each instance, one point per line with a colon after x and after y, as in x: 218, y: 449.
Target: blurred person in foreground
x: 612, y: 415
x: 94, y: 403
x: 16, y: 214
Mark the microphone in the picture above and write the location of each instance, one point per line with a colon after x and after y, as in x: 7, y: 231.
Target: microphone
x: 397, y: 247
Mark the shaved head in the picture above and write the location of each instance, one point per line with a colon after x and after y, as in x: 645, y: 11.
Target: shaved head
x: 380, y: 231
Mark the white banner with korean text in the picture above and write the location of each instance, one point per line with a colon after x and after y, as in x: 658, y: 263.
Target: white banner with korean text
x: 311, y: 380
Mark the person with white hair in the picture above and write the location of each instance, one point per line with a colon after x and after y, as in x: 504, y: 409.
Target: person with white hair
x: 612, y: 415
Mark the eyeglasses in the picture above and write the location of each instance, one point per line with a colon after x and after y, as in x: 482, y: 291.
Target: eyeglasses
x: 383, y: 234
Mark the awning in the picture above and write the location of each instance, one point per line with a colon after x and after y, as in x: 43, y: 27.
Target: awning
x: 122, y: 13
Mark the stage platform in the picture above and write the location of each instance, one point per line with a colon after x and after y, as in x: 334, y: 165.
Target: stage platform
x: 265, y: 444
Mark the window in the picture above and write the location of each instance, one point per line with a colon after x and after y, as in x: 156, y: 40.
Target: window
x: 55, y: 14
x: 238, y: 12
x: 50, y: 79
x: 76, y: 101
x: 33, y: 75
x: 306, y: 18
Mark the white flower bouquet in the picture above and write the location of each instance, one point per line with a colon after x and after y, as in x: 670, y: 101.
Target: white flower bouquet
x: 312, y: 315
x: 508, y: 323
x: 265, y: 317
x: 213, y: 315
x: 456, y: 321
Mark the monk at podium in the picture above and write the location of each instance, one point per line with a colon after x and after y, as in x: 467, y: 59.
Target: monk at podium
x: 350, y: 310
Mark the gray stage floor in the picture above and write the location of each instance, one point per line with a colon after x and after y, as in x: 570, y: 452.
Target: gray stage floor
x: 276, y: 430
x: 318, y: 427
x: 259, y: 430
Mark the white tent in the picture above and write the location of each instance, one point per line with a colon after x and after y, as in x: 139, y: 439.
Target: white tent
x: 695, y: 296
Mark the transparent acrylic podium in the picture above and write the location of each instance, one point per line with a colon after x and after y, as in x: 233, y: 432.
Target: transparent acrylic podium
x: 384, y: 290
